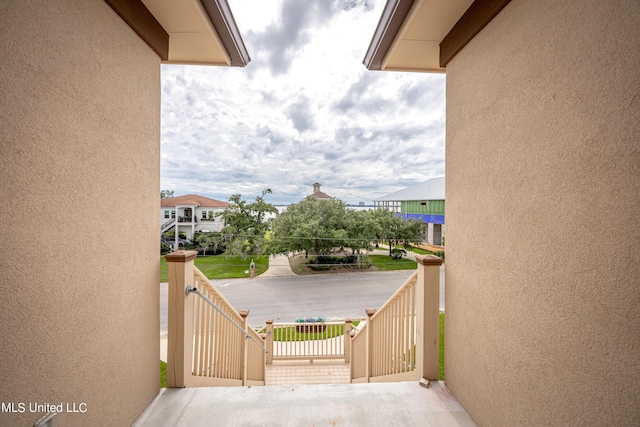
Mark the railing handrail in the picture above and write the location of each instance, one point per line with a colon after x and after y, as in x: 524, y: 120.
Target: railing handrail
x: 409, y: 282
x: 333, y: 322
x: 196, y: 291
x: 166, y: 224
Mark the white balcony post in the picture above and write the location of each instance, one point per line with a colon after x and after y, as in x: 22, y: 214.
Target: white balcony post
x: 244, y: 346
x: 428, y: 316
x: 347, y: 340
x: 369, y: 344
x: 269, y: 342
x: 180, y: 318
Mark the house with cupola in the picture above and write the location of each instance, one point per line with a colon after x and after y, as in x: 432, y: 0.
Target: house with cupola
x: 317, y: 194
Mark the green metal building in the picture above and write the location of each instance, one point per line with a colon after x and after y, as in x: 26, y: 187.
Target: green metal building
x: 423, y: 201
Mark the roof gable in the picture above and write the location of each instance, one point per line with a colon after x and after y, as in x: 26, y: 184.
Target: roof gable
x: 193, y: 200
x: 432, y: 189
x: 320, y: 195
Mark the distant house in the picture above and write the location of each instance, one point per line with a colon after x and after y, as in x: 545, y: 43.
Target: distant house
x: 191, y: 213
x: 317, y: 194
x: 424, y: 201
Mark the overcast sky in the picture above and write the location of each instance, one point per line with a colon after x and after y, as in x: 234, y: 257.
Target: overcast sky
x: 304, y: 110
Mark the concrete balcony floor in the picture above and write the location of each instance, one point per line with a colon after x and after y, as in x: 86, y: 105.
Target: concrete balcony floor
x: 376, y: 404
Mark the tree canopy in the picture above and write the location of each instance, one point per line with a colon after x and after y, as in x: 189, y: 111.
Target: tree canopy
x: 246, y: 224
x: 209, y: 241
x: 166, y: 194
x: 311, y: 225
x: 320, y: 226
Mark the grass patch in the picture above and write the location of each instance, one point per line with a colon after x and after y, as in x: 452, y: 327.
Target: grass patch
x: 290, y: 333
x: 384, y: 262
x: 380, y: 262
x: 421, y: 251
x: 221, y: 266
x: 299, y: 265
x: 163, y: 374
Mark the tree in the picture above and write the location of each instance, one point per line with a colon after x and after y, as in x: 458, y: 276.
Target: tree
x: 166, y: 194
x: 398, y: 231
x: 314, y: 226
x: 246, y: 224
x: 321, y: 226
x: 208, y: 241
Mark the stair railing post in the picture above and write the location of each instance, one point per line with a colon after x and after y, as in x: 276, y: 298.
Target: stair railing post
x: 428, y: 316
x: 351, y: 358
x: 269, y: 342
x: 244, y: 346
x: 180, y: 318
x: 347, y: 340
x: 369, y: 344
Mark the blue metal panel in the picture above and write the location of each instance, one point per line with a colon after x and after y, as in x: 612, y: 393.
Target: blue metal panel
x: 434, y: 219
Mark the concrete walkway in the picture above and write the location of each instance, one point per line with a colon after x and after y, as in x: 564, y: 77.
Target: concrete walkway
x: 278, y: 267
x: 402, y: 404
x: 302, y: 372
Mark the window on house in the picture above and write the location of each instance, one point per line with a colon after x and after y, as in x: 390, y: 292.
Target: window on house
x: 204, y: 214
x: 166, y: 214
x: 173, y: 214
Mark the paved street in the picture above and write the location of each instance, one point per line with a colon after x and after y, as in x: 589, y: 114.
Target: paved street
x: 285, y: 298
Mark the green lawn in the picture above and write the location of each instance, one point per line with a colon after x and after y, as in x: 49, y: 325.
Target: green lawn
x: 163, y: 374
x: 385, y: 262
x: 289, y: 333
x: 222, y: 267
x: 421, y: 251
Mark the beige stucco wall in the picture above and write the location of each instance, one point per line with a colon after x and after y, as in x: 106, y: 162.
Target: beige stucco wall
x: 79, y: 181
x: 543, y: 216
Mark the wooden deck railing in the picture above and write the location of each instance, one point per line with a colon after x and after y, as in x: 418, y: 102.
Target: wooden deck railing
x: 400, y: 340
x: 205, y: 347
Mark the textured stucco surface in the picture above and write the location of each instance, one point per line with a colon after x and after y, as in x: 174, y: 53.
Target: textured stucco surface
x: 79, y: 175
x: 543, y: 216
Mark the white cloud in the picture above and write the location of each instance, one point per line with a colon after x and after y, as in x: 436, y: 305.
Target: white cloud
x: 304, y: 110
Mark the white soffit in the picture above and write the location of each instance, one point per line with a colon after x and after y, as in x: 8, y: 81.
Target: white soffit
x: 192, y: 37
x: 417, y: 44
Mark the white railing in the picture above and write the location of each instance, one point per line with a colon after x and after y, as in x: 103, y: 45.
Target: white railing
x: 167, y: 225
x: 209, y: 342
x: 399, y: 342
x: 308, y: 341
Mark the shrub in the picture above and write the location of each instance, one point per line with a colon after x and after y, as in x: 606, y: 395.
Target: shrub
x: 439, y: 254
x: 397, y: 253
x: 164, y: 248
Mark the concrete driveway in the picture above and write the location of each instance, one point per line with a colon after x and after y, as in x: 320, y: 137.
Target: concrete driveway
x: 285, y: 298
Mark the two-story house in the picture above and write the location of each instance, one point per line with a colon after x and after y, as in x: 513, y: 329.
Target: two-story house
x: 190, y: 214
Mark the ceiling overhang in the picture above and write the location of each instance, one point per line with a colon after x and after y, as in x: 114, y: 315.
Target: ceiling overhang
x: 201, y: 32
x: 424, y: 35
